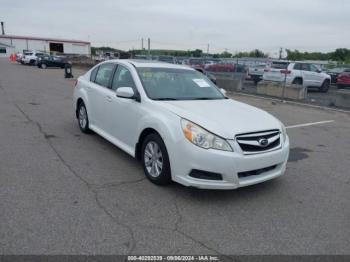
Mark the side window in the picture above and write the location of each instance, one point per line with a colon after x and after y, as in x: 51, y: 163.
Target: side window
x: 104, y: 74
x: 122, y: 78
x: 305, y: 67
x: 313, y: 68
x: 93, y: 74
x: 297, y: 66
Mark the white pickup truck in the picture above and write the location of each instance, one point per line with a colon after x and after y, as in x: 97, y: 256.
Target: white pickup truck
x: 305, y: 74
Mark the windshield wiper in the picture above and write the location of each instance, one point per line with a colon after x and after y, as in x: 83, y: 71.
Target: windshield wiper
x: 165, y: 98
x: 204, y: 98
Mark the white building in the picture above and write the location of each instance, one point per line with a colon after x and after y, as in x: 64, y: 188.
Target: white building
x: 6, y: 50
x: 57, y: 46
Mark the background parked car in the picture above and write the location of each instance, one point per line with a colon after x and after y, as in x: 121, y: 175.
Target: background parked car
x: 343, y: 79
x: 305, y: 74
x: 167, y: 59
x: 334, y: 73
x: 31, y: 57
x: 256, y: 72
x: 51, y: 61
x: 220, y: 67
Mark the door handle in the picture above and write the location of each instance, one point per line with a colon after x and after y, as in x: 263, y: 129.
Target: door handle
x: 109, y: 98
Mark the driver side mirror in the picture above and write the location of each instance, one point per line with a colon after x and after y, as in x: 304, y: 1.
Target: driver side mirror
x: 125, y: 92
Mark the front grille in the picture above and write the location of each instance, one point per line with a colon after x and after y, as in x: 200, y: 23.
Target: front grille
x: 256, y: 172
x: 254, y: 143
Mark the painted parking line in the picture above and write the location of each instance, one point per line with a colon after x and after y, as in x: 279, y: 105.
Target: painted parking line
x: 310, y: 124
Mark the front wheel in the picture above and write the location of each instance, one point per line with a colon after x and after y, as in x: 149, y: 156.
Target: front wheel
x: 83, y: 118
x: 155, y: 160
x: 43, y: 66
x: 325, y: 86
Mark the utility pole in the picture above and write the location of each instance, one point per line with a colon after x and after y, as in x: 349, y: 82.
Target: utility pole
x: 280, y: 56
x: 208, y: 50
x: 149, y: 47
x: 142, y: 44
x: 2, y: 28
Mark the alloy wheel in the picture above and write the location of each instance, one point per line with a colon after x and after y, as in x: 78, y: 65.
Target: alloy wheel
x: 82, y: 117
x: 153, y: 159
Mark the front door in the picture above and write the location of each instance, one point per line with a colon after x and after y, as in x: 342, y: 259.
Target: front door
x: 126, y: 112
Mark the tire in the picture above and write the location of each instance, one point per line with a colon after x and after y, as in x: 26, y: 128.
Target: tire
x: 83, y: 119
x: 325, y: 87
x: 43, y: 66
x: 155, y: 160
x: 298, y: 81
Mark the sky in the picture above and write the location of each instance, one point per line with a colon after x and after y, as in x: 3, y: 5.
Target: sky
x: 231, y: 25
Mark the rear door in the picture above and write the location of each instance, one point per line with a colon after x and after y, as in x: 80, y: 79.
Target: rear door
x: 100, y: 94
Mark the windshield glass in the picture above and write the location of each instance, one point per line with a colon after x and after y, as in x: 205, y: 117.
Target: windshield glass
x: 177, y: 84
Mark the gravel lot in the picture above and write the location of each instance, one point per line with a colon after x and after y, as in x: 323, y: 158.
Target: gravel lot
x: 62, y: 192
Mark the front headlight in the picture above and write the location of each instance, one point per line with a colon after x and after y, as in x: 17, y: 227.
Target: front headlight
x: 203, y: 138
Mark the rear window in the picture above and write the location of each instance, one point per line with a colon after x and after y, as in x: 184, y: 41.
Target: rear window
x: 279, y: 65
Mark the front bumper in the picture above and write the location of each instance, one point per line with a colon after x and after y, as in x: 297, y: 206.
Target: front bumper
x: 187, y: 157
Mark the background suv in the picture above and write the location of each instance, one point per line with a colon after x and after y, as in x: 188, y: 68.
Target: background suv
x: 305, y: 74
x: 30, y: 58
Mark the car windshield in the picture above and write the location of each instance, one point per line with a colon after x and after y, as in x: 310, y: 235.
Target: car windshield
x: 177, y: 84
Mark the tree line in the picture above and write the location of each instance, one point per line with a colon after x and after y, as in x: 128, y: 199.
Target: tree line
x: 340, y: 55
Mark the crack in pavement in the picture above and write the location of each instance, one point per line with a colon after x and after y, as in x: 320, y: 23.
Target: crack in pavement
x: 177, y: 229
x: 88, y: 185
x: 96, y: 188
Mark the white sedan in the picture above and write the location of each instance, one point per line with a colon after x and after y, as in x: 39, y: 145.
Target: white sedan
x: 180, y: 125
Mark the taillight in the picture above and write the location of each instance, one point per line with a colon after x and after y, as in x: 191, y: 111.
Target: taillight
x: 285, y: 71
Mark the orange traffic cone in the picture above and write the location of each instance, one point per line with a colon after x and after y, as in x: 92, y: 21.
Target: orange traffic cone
x: 12, y: 58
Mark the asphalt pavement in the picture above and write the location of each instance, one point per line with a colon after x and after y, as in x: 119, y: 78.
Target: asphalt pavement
x: 63, y: 192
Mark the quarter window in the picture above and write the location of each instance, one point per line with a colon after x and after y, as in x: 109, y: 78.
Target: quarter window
x: 122, y: 78
x: 93, y: 74
x: 297, y: 66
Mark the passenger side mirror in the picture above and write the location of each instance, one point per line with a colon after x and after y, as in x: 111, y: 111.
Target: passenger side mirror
x: 223, y: 91
x: 125, y: 92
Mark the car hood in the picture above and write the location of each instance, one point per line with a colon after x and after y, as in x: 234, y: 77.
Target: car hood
x: 225, y: 118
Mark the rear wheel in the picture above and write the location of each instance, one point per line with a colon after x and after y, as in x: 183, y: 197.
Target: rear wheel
x: 325, y: 86
x: 43, y: 66
x: 155, y: 160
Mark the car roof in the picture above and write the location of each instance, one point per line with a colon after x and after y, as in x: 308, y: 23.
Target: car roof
x: 149, y: 63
